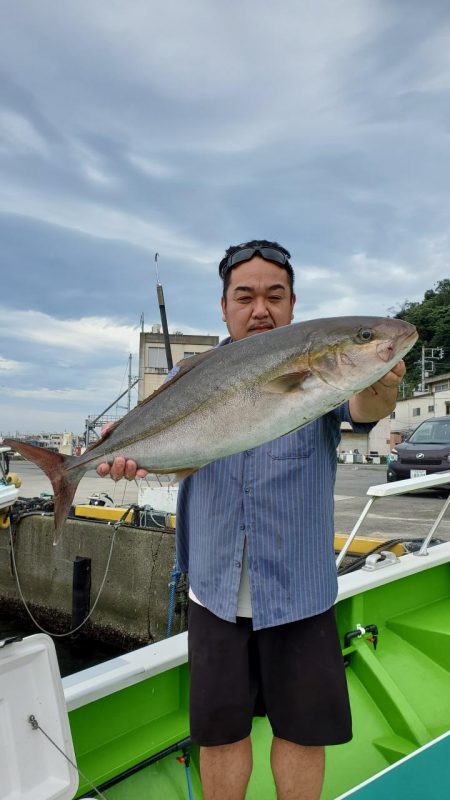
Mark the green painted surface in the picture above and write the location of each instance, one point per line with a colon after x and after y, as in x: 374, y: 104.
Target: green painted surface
x: 124, y: 728
x: 422, y: 777
x: 400, y: 697
x: 165, y: 780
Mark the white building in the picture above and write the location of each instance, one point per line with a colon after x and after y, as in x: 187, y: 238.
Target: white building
x: 377, y: 441
x: 152, y: 355
x: 57, y: 442
x: 435, y: 402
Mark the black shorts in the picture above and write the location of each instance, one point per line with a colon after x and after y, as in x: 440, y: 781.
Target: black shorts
x: 294, y: 673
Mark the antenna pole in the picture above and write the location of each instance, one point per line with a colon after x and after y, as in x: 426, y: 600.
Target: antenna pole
x: 162, y: 311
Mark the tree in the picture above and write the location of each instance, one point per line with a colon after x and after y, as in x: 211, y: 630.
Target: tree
x: 432, y: 320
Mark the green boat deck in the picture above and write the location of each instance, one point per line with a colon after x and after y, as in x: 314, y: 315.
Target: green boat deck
x: 400, y: 698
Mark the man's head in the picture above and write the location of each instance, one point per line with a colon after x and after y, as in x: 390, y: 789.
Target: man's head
x: 258, y: 283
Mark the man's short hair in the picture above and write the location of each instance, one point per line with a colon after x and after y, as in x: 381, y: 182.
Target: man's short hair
x: 225, y: 269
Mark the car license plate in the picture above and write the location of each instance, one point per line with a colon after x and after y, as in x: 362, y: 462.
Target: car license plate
x: 417, y: 473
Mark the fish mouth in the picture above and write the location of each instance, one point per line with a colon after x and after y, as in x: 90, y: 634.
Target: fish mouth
x: 406, y: 337
x: 391, y: 348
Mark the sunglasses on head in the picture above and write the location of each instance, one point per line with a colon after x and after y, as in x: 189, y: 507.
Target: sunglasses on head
x: 268, y: 253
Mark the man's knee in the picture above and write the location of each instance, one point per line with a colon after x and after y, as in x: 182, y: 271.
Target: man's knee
x: 226, y: 769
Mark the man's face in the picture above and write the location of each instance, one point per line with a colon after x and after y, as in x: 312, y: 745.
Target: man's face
x: 258, y: 298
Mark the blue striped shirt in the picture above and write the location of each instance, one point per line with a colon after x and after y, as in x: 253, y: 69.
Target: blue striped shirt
x: 280, y: 497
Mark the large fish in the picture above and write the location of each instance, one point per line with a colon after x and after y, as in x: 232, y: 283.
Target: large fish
x: 233, y: 398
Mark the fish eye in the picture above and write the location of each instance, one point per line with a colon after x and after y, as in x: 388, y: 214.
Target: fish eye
x: 365, y: 335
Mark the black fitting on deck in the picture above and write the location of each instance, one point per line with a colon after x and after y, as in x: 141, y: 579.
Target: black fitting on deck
x: 361, y: 630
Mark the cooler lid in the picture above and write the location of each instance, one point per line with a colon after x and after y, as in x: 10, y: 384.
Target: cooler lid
x: 30, y: 685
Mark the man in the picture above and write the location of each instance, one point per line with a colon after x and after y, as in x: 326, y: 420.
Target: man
x: 255, y: 533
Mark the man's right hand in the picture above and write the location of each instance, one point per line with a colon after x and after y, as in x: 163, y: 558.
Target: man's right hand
x: 121, y: 467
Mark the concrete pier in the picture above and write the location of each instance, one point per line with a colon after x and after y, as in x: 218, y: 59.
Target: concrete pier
x: 133, y: 604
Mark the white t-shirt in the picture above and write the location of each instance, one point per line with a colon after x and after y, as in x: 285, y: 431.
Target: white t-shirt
x: 244, y: 606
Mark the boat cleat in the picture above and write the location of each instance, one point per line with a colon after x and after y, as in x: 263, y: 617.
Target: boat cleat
x: 380, y: 560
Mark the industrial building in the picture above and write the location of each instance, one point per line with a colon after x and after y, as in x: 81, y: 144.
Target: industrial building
x: 152, y: 355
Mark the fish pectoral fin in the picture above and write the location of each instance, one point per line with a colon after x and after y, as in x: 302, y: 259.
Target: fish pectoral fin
x: 181, y: 474
x: 289, y: 382
x: 178, y: 474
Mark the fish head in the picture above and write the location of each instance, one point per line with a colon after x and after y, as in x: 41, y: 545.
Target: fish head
x: 354, y: 352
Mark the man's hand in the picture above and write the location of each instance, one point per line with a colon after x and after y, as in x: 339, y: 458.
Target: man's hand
x: 121, y: 467
x: 392, y: 379
x: 378, y: 400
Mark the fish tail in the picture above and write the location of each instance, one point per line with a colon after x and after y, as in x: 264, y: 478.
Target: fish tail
x: 61, y: 473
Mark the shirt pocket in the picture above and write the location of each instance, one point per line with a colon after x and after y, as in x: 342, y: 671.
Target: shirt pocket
x: 300, y: 444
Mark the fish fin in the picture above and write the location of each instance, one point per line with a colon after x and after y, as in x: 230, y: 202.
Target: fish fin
x: 178, y: 474
x: 104, y: 436
x: 64, y: 480
x: 287, y: 383
x: 185, y: 365
x: 181, y: 474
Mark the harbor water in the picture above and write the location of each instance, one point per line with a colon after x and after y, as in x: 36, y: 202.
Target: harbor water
x: 74, y: 653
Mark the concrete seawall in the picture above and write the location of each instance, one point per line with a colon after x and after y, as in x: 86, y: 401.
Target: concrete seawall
x: 134, y: 602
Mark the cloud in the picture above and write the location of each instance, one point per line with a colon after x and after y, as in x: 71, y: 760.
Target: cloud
x: 151, y: 167
x: 18, y: 135
x: 182, y: 128
x: 70, y: 334
x: 8, y: 365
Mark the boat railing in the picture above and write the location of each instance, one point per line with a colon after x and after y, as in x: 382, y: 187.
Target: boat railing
x: 395, y: 489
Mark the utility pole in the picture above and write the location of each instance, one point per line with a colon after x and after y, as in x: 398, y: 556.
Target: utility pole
x: 429, y: 356
x: 130, y: 381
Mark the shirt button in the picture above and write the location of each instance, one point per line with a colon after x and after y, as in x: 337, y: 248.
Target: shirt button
x: 242, y: 527
x: 249, y: 452
x: 247, y: 490
x: 237, y: 563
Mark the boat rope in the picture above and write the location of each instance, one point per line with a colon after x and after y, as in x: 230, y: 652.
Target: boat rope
x: 186, y: 760
x: 116, y: 526
x: 175, y: 574
x: 189, y: 782
x: 36, y: 727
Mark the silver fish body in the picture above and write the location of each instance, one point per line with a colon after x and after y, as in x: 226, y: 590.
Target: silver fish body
x: 239, y: 396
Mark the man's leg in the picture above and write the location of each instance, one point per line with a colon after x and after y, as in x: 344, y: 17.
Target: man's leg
x: 298, y: 770
x: 225, y: 770
x: 223, y: 693
x: 305, y: 691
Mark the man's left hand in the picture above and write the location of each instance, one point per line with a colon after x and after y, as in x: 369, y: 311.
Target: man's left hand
x: 393, y: 378
x: 378, y: 400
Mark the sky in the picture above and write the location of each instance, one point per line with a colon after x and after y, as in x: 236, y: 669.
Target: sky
x: 129, y: 128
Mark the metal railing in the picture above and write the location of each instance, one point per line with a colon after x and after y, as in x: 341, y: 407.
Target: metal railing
x: 394, y: 490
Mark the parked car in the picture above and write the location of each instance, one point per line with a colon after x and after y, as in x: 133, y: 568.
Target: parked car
x: 425, y: 452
